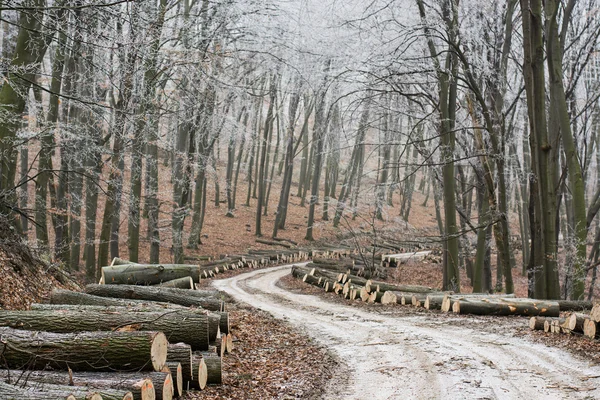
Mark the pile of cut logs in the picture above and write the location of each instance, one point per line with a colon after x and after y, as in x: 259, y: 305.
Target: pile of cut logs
x: 341, y: 277
x: 185, y: 276
x: 114, y: 342
x: 578, y: 323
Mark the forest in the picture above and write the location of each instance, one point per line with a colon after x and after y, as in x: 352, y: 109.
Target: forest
x: 123, y: 123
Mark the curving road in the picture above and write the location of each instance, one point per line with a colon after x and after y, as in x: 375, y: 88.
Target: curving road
x: 418, y: 357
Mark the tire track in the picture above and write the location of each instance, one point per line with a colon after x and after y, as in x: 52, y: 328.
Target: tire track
x: 417, y: 357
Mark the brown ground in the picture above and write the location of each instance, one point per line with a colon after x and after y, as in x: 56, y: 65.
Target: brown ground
x: 270, y: 361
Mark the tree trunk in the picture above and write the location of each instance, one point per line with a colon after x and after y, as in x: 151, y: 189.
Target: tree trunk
x: 86, y: 351
x: 153, y: 293
x: 187, y: 326
x: 139, y: 384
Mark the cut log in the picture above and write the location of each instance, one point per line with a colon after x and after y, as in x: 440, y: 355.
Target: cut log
x: 418, y: 299
x: 595, y: 313
x: 182, y: 353
x: 537, y: 323
x: 214, y: 320
x: 121, y: 261
x: 140, y: 387
x: 213, y: 368
x: 229, y: 348
x: 67, y: 297
x: 434, y: 302
x: 148, y: 274
x: 64, y: 391
x: 310, y: 279
x: 180, y: 283
x: 224, y: 322
x: 200, y: 372
x: 375, y: 297
x: 499, y: 306
x: 174, y: 368
x: 575, y: 322
x: 590, y: 328
x: 574, y: 305
x: 389, y: 297
x: 11, y: 392
x: 193, y: 327
x: 87, y: 351
x: 152, y: 293
x: 364, y: 294
x: 450, y: 298
x: 274, y: 243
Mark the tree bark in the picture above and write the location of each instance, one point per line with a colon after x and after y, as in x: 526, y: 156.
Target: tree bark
x: 86, y: 351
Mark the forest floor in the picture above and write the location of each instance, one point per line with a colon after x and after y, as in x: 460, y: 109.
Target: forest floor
x: 393, y: 352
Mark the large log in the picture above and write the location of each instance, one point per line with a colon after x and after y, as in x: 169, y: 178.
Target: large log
x: 450, y: 298
x: 575, y: 322
x: 139, y: 306
x: 68, y: 297
x: 575, y: 305
x: 64, y: 391
x: 182, y: 353
x: 200, y: 373
x: 152, y: 293
x: 595, y: 313
x: 86, y: 351
x: 148, y: 274
x: 193, y: 327
x: 434, y: 301
x: 142, y: 388
x: 174, y: 368
x: 537, y: 323
x: 180, y: 283
x: 500, y: 306
x: 590, y: 328
x: 11, y: 392
x: 213, y: 368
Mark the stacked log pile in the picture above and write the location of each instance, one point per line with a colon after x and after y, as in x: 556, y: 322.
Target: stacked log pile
x: 341, y: 275
x: 186, y: 276
x: 575, y: 323
x: 127, y: 342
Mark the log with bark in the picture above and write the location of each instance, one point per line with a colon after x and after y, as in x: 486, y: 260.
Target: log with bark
x: 186, y: 282
x: 174, y: 368
x: 200, y: 372
x: 450, y: 298
x: 193, y: 327
x: 434, y: 301
x: 148, y: 274
x: 375, y: 297
x: 121, y: 261
x: 152, y: 293
x: 418, y: 299
x: 213, y: 368
x: 500, y: 306
x: 53, y: 391
x: 575, y: 305
x: 181, y: 353
x: 274, y: 243
x: 86, y: 351
x: 575, y: 322
x: 595, y: 313
x: 140, y: 386
x: 67, y: 297
x: 590, y: 328
x: 537, y: 323
x: 12, y: 392
x: 229, y: 348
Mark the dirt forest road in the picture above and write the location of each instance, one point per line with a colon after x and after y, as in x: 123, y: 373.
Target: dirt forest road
x: 418, y: 357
